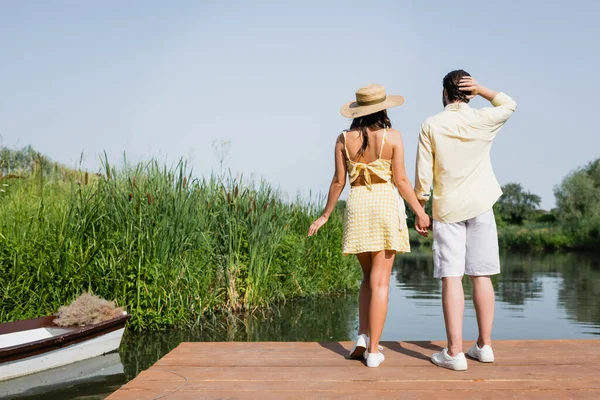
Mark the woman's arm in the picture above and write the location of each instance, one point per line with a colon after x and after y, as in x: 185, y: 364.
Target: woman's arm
x: 335, y: 189
x: 405, y: 188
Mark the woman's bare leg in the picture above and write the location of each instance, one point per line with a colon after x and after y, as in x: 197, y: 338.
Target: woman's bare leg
x: 381, y: 269
x: 364, y: 296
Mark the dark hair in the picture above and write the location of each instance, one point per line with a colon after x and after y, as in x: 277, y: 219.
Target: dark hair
x: 451, y: 81
x: 378, y: 120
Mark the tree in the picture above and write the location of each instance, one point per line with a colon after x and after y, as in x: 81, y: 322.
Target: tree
x: 578, y: 201
x: 516, y: 205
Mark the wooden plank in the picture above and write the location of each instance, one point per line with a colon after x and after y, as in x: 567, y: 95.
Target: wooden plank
x: 433, y: 345
x: 292, y: 370
x: 404, y: 356
x: 426, y: 372
x: 390, y: 361
x: 224, y: 350
x: 361, y: 395
x: 357, y: 385
x: 507, y: 353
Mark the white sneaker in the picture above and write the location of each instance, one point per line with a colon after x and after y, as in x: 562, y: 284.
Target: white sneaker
x: 374, y: 359
x: 360, y: 347
x: 379, y: 348
x: 456, y: 363
x: 484, y: 354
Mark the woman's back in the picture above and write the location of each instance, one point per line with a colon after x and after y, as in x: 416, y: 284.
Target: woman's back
x: 374, y: 165
x: 354, y: 142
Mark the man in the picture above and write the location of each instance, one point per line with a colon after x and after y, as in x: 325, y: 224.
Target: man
x: 454, y: 155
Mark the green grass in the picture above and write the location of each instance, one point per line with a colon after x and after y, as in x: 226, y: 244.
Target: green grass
x: 170, y: 248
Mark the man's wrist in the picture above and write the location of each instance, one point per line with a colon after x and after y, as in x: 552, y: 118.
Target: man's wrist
x: 486, y: 93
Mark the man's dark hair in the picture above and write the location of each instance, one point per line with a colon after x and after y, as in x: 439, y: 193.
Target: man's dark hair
x: 451, y: 81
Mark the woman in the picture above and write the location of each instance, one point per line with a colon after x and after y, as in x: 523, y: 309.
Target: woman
x: 372, y: 154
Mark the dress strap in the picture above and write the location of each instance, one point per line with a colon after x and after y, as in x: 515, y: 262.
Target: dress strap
x: 382, y: 142
x: 346, y: 148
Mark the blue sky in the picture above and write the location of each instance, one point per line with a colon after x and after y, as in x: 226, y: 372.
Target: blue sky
x: 165, y: 79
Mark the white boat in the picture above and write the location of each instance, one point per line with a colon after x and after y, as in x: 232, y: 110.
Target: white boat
x: 35, y: 345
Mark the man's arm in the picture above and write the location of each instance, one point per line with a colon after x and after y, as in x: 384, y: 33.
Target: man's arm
x: 424, y: 170
x: 504, y: 106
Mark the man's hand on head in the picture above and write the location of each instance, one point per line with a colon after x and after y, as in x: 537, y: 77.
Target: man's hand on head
x: 469, y: 84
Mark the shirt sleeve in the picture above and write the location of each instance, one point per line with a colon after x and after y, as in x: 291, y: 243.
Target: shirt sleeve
x: 495, y: 117
x: 424, y: 170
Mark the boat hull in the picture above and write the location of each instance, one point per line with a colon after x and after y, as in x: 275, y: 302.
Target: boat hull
x: 31, y: 346
x: 97, y: 346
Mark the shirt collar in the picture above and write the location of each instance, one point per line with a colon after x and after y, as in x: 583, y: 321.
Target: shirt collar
x: 456, y: 106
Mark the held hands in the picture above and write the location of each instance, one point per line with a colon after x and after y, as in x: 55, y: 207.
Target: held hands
x: 422, y: 224
x: 319, y: 222
x: 469, y: 84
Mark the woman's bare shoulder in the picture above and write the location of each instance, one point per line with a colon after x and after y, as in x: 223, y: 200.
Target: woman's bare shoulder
x: 394, y: 136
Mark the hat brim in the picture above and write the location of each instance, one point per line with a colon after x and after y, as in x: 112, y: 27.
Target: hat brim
x: 353, y: 110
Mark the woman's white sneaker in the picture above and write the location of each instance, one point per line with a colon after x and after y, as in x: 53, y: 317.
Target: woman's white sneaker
x: 484, y: 354
x: 445, y: 360
x: 380, y: 348
x: 360, y: 347
x: 374, y: 359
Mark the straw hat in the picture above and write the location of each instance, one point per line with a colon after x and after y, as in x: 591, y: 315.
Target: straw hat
x: 370, y: 99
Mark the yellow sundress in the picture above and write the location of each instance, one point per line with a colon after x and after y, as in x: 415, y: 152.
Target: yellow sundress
x: 375, y: 216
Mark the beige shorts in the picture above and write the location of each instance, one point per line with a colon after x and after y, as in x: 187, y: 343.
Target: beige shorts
x: 468, y: 247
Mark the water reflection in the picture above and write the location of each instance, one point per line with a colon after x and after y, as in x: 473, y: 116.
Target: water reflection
x: 554, y: 296
x: 93, y: 378
x: 415, y: 272
x: 579, y: 291
x: 518, y: 282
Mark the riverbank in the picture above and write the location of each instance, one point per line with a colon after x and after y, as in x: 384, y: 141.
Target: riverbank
x: 169, y: 248
x: 533, y: 237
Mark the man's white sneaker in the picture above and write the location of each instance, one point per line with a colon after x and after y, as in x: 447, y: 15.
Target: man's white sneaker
x: 360, y: 347
x: 374, y: 359
x: 484, y: 354
x: 456, y: 363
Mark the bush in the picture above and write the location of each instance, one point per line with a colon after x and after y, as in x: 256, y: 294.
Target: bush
x: 535, y: 238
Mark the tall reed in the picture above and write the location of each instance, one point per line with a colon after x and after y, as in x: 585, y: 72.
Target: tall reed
x: 169, y: 247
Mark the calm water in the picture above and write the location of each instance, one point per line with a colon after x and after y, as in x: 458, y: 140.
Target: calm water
x: 538, y: 297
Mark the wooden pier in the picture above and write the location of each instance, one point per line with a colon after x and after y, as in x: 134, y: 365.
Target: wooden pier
x: 545, y: 369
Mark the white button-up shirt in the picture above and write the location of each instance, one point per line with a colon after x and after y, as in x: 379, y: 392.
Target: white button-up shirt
x: 454, y: 155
